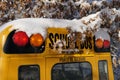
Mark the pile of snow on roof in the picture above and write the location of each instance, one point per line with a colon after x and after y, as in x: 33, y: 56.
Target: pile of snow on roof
x: 40, y: 25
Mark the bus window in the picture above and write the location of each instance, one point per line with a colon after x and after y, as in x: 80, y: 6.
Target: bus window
x: 29, y: 72
x: 103, y: 71
x: 72, y: 71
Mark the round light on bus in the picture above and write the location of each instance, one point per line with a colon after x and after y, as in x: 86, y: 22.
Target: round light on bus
x: 36, y: 40
x: 20, y: 38
x: 99, y: 43
x: 106, y: 44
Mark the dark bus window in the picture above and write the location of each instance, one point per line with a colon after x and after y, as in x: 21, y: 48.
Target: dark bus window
x: 72, y: 71
x: 29, y: 72
x: 103, y: 70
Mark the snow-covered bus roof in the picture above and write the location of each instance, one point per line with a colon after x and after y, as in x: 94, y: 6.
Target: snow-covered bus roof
x: 40, y: 25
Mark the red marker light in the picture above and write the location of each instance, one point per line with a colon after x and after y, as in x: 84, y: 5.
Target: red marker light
x: 20, y: 38
x: 106, y: 44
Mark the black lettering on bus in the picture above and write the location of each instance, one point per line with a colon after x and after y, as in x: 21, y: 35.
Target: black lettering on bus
x: 62, y: 37
x: 89, y: 43
x: 51, y: 36
x: 82, y: 45
x: 56, y: 37
x: 76, y: 46
x: 67, y: 41
x: 86, y: 44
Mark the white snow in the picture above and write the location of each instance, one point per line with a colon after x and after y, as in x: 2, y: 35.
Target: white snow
x: 37, y: 25
x: 119, y: 34
x: 102, y: 34
x: 98, y: 3
x: 40, y: 25
x: 80, y: 2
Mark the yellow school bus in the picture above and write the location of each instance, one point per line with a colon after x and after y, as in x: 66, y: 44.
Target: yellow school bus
x: 62, y: 55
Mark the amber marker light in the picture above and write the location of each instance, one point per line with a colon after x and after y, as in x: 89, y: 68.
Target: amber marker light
x: 99, y: 43
x: 36, y: 40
